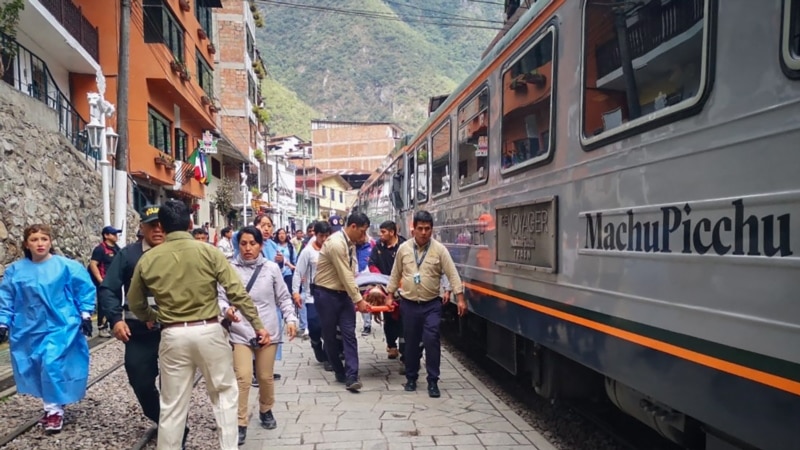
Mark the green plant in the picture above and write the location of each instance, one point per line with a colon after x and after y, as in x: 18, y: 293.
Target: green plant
x: 9, y: 20
x: 223, y: 197
x: 254, y: 190
x: 259, y: 154
x: 263, y: 115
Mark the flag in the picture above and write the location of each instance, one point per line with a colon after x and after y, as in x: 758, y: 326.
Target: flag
x: 198, y: 161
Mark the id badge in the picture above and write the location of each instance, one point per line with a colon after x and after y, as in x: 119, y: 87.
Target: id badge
x: 151, y: 301
x: 417, y: 278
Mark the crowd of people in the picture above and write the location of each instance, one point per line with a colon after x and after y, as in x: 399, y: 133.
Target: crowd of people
x: 182, y: 304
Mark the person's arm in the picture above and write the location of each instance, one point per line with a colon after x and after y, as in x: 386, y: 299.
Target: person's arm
x: 451, y: 272
x: 299, y: 275
x: 109, y: 293
x: 397, y: 273
x: 137, y: 298
x: 340, y: 260
x: 97, y: 255
x: 83, y: 289
x: 282, y: 297
x: 6, y: 299
x: 234, y: 290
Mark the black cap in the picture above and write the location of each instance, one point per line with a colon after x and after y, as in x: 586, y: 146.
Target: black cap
x: 149, y: 213
x: 335, y: 222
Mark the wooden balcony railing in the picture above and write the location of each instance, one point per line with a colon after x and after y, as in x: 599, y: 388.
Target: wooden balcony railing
x: 71, y: 17
x: 656, y: 26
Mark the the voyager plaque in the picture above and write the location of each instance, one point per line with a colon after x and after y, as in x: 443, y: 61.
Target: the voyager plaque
x: 526, y: 235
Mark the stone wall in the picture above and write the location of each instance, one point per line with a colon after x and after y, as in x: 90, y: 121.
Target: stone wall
x: 43, y: 179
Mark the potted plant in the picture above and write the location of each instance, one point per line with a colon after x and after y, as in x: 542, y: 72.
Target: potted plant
x: 184, y: 4
x: 9, y: 19
x: 176, y: 66
x: 205, y: 100
x: 201, y: 33
x: 259, y: 22
x: 259, y: 154
x: 253, y: 8
x: 165, y: 160
x: 254, y: 190
x: 185, y: 75
x: 211, y: 49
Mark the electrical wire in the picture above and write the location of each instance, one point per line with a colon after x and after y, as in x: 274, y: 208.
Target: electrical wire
x: 373, y: 15
x: 445, y: 14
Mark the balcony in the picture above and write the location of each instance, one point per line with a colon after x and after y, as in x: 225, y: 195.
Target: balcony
x: 654, y: 28
x: 72, y: 19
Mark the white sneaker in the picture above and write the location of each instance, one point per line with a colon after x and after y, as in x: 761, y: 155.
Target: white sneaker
x: 104, y: 333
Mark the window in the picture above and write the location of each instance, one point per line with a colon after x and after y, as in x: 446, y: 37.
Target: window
x: 473, y: 140
x: 333, y: 195
x: 341, y: 197
x: 422, y: 173
x: 205, y: 76
x: 440, y: 165
x: 181, y: 145
x: 161, y: 27
x: 251, y: 91
x: 324, y: 192
x: 790, y: 46
x: 251, y: 44
x: 203, y: 14
x: 641, y: 63
x: 411, y: 186
x: 528, y: 106
x: 216, y: 168
x: 396, y: 188
x: 158, y: 128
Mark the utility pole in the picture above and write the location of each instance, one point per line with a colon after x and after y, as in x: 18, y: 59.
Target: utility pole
x: 121, y: 173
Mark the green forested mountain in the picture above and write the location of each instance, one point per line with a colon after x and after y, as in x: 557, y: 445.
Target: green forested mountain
x: 361, y: 67
x: 287, y: 113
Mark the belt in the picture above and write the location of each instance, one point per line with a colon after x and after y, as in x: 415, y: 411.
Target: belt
x: 419, y: 302
x: 190, y: 324
x: 332, y: 291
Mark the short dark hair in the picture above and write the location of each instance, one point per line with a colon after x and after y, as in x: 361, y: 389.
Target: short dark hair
x: 389, y: 225
x: 422, y: 216
x: 358, y: 219
x: 311, y: 226
x: 253, y: 231
x: 226, y: 230
x: 199, y: 231
x: 257, y: 220
x: 322, y: 227
x: 174, y: 215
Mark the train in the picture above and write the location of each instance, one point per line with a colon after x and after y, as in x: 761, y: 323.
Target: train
x: 616, y: 183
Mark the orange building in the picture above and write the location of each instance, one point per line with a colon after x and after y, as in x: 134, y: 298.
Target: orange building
x: 170, y: 93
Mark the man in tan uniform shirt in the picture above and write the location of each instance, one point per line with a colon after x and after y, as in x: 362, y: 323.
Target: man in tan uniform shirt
x: 420, y: 264
x: 182, y: 275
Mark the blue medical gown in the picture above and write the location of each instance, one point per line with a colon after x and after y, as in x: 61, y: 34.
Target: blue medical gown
x: 41, y: 303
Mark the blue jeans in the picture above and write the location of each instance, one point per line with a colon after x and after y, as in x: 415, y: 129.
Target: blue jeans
x: 302, y: 314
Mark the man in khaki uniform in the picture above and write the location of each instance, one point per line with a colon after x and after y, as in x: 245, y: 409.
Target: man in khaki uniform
x: 420, y: 263
x: 182, y: 275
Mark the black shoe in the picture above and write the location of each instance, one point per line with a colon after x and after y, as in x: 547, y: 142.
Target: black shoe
x: 327, y: 366
x: 411, y: 385
x: 352, y: 384
x: 276, y: 376
x: 242, y: 434
x: 340, y: 378
x: 433, y: 390
x: 268, y: 420
x: 254, y: 382
x: 366, y: 331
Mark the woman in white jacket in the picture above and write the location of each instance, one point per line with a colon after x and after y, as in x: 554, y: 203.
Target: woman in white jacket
x: 265, y: 284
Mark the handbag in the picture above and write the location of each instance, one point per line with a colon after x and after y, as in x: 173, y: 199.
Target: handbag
x: 226, y: 323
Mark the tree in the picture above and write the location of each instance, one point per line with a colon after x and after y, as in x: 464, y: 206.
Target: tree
x: 223, y: 197
x: 9, y: 19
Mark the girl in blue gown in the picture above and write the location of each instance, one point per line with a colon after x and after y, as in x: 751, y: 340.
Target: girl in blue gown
x: 46, y: 301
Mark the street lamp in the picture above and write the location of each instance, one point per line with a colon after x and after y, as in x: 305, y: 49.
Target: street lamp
x: 112, y: 139
x: 99, y: 109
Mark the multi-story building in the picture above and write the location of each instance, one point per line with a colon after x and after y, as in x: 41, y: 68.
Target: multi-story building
x: 352, y: 149
x: 330, y: 191
x: 54, y: 58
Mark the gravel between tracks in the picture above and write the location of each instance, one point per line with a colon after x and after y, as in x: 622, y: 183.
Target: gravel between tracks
x: 565, y: 429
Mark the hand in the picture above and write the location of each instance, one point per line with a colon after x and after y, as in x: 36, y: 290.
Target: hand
x: 362, y: 306
x: 279, y: 257
x: 263, y: 337
x: 3, y: 334
x: 446, y: 297
x: 86, y: 327
x: 298, y: 300
x: 462, y: 306
x: 291, y: 330
x: 121, y: 331
x: 230, y: 314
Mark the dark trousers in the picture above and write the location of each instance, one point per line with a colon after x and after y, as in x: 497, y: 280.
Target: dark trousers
x: 336, y: 309
x: 392, y: 328
x: 421, y: 324
x: 141, y: 365
x: 315, y: 332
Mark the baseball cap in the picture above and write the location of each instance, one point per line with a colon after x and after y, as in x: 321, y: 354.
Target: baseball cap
x: 335, y: 223
x: 110, y: 230
x: 149, y: 214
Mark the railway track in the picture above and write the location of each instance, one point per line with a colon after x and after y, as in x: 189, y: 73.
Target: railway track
x: 28, y: 425
x: 151, y: 432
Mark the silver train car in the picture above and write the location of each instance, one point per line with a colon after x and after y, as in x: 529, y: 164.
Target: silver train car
x: 618, y: 183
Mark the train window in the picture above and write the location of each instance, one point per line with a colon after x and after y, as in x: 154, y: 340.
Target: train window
x: 440, y: 163
x: 643, y: 61
x: 790, y: 47
x: 473, y: 140
x: 411, y: 188
x: 397, y: 186
x: 528, y: 106
x: 422, y: 173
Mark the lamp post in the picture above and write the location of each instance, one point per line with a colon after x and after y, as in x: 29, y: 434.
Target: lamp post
x: 244, y: 196
x: 103, y: 139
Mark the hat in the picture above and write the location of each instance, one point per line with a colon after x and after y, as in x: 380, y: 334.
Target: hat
x: 149, y: 214
x: 110, y: 230
x: 335, y: 222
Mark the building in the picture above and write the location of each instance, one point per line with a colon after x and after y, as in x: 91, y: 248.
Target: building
x: 54, y: 57
x: 352, y: 149
x: 330, y: 191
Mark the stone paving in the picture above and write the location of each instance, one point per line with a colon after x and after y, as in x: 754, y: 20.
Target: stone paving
x: 314, y: 412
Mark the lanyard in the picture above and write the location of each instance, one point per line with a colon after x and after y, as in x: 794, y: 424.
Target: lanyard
x: 420, y: 260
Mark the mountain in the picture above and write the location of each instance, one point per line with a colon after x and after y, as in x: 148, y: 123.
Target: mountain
x: 350, y: 62
x: 287, y: 113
